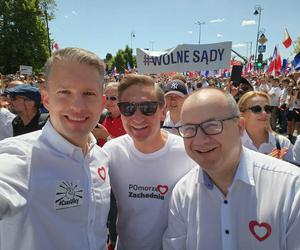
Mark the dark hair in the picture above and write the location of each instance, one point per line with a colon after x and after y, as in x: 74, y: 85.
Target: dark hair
x: 141, y: 80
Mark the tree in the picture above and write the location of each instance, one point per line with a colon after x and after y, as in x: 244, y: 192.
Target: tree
x: 297, y: 46
x: 119, y: 61
x: 23, y: 34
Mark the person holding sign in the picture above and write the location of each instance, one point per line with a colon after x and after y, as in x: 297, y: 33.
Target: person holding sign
x: 236, y: 198
x: 54, y: 185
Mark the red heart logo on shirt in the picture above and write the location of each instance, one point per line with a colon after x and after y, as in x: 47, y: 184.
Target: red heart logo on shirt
x: 162, y: 189
x: 261, y: 231
x: 102, y: 173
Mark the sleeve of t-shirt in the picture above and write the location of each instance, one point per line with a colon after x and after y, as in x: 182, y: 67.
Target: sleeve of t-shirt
x: 13, y: 179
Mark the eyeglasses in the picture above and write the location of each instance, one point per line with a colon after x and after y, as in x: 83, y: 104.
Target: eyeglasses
x: 16, y: 97
x: 111, y: 98
x: 213, y: 127
x: 147, y: 108
x: 259, y: 109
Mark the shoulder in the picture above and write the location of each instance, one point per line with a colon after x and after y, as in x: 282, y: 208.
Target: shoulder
x: 186, y: 185
x: 267, y: 165
x: 117, y: 143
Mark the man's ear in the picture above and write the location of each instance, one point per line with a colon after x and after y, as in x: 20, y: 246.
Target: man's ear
x: 45, y: 98
x: 242, y: 125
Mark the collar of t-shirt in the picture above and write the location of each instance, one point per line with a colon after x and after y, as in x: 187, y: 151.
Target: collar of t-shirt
x: 60, y: 144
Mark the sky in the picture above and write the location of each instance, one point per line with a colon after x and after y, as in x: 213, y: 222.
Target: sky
x: 107, y: 26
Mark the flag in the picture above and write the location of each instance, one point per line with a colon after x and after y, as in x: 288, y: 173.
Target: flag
x: 55, y: 46
x: 115, y: 72
x: 249, y: 65
x: 296, y: 62
x: 275, y: 64
x: 128, y: 67
x: 287, y: 41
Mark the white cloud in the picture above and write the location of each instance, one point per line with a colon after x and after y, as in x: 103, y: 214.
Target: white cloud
x: 66, y: 17
x: 219, y: 35
x: 239, y: 45
x: 248, y: 22
x: 219, y: 20
x: 74, y: 12
x: 190, y: 32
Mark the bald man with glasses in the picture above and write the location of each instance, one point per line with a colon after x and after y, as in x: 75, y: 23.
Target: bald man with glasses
x: 235, y: 198
x: 144, y: 165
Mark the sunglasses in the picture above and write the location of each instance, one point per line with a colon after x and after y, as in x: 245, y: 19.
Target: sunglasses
x: 111, y: 98
x: 147, y: 108
x: 258, y: 109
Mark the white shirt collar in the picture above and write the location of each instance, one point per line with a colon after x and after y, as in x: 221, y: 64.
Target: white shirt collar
x: 60, y: 144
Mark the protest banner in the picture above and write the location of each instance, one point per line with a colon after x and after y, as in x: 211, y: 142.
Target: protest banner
x: 25, y: 70
x: 185, y: 57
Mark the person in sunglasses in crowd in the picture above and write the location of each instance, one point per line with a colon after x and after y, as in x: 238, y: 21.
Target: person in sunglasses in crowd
x: 175, y: 94
x: 111, y: 126
x: 236, y: 198
x: 255, y: 108
x: 24, y: 101
x: 54, y: 185
x: 144, y: 165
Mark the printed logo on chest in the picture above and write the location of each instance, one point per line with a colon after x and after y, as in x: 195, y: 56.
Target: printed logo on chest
x: 68, y: 194
x: 147, y: 192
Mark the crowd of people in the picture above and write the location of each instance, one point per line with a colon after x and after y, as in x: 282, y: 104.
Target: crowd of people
x: 182, y: 162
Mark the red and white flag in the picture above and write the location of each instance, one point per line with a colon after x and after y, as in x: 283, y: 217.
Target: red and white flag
x: 287, y: 41
x: 55, y: 46
x: 275, y: 64
x: 249, y: 66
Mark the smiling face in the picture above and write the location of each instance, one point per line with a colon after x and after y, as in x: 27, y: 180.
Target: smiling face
x: 214, y: 153
x: 256, y: 120
x: 74, y: 100
x: 143, y: 129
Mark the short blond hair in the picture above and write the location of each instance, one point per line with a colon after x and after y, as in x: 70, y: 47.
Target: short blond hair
x: 75, y: 55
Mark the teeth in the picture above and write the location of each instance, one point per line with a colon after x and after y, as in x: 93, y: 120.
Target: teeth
x: 139, y: 127
x: 76, y: 118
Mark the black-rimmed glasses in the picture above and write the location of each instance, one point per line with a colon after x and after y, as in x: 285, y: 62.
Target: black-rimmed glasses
x: 147, y: 108
x: 212, y: 127
x: 259, y: 109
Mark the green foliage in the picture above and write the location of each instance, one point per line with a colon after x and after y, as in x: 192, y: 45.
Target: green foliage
x: 297, y: 46
x: 23, y: 34
x: 120, y: 60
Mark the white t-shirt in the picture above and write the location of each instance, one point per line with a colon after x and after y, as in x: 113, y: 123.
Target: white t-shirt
x: 169, y: 123
x: 267, y: 147
x: 275, y: 94
x: 142, y: 184
x: 261, y: 210
x: 51, y: 196
x: 6, y: 129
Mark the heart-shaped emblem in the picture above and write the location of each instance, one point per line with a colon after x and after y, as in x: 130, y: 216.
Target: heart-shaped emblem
x: 261, y: 231
x: 102, y: 173
x: 162, y: 189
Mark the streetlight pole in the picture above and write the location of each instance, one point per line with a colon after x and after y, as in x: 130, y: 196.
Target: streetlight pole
x: 152, y: 43
x: 47, y: 26
x: 200, y: 24
x: 257, y: 11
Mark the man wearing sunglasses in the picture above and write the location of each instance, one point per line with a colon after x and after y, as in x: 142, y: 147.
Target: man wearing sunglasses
x: 24, y: 101
x: 236, y: 198
x: 144, y: 165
